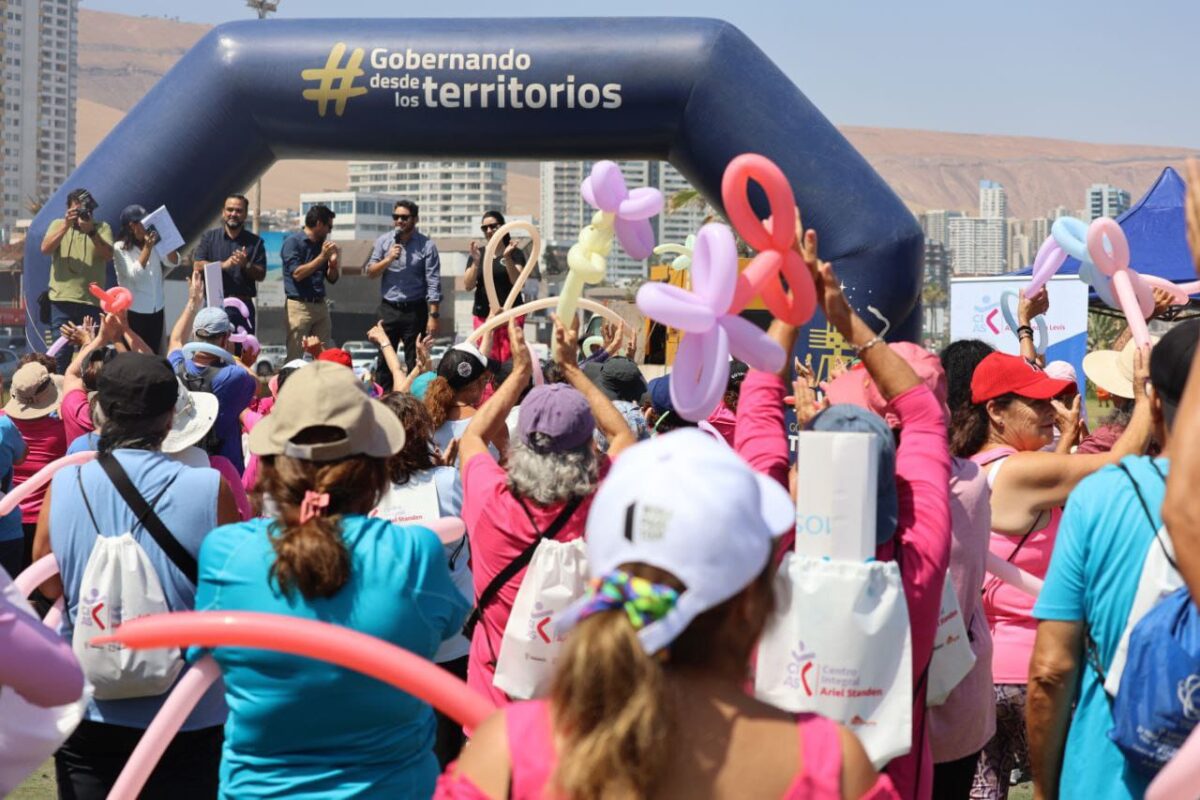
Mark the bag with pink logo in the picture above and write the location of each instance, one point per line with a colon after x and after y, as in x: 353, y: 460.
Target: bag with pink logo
x: 557, y: 576
x: 952, y: 656
x: 838, y: 644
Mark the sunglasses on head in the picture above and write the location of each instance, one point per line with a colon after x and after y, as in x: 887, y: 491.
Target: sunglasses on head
x: 402, y: 217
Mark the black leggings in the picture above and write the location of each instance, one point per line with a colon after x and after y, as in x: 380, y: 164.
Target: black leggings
x: 450, y: 737
x: 88, y: 764
x: 149, y: 327
x: 952, y: 780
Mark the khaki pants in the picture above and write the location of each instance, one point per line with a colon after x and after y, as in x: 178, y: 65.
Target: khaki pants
x: 307, y: 319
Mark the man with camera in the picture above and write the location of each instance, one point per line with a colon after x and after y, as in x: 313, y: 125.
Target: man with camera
x: 411, y: 288
x: 79, y: 248
x: 241, y: 253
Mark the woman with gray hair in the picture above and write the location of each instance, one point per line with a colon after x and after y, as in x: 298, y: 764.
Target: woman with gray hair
x: 545, y: 490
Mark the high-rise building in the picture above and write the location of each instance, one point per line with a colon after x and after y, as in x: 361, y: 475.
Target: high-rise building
x: 38, y: 59
x: 1060, y: 211
x: 359, y: 215
x: 977, y: 246
x: 993, y: 202
x: 936, y: 225
x: 937, y: 264
x: 452, y: 195
x: 1038, y: 229
x: 1106, y: 200
x: 564, y: 212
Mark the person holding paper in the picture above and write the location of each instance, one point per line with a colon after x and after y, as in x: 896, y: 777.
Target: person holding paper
x: 140, y: 270
x: 241, y: 254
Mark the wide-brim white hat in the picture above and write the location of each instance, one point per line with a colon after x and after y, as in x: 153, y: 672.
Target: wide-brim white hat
x: 195, y: 413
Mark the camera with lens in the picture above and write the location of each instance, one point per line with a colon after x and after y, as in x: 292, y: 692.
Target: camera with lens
x: 151, y: 230
x: 87, y: 205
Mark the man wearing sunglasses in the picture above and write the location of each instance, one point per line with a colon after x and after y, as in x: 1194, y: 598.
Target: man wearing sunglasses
x: 411, y: 269
x: 241, y: 253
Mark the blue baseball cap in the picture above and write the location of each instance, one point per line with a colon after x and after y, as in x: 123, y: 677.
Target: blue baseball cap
x: 660, y: 394
x: 211, y: 321
x: 849, y: 418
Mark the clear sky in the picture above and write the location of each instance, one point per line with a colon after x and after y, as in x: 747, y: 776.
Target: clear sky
x: 1103, y: 71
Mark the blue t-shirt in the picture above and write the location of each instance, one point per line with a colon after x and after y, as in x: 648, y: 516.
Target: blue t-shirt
x: 83, y: 443
x: 234, y: 388
x: 12, y: 450
x: 297, y: 251
x: 188, y: 509
x: 304, y: 728
x: 1102, y: 543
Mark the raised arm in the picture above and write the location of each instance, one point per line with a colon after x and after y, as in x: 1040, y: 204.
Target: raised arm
x: 377, y: 335
x: 182, y: 332
x: 608, y: 419
x: 494, y: 412
x: 1027, y: 309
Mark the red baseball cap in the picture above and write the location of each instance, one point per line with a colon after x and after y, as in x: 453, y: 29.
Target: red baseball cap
x: 337, y: 355
x: 1000, y: 374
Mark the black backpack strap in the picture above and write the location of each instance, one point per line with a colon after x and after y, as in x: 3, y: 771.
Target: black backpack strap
x: 180, y: 557
x: 520, y: 562
x: 1146, y: 509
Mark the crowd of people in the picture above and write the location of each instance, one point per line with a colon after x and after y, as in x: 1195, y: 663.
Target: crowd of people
x: 309, y: 493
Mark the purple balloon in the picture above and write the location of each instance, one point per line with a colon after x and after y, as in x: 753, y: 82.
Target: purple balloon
x: 700, y: 373
x: 1049, y: 260
x: 675, y: 307
x: 605, y: 189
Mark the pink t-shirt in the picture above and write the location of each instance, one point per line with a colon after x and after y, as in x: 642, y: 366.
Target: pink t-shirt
x: 76, y: 414
x: 725, y: 423
x: 499, y: 531
x: 1010, y: 610
x: 47, y: 441
x: 967, y: 720
x: 533, y: 757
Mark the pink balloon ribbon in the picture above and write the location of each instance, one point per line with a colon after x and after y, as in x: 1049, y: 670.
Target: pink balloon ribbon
x: 1180, y: 777
x: 114, y: 300
x: 166, y: 723
x: 1013, y: 575
x: 773, y: 239
x: 40, y: 478
x: 711, y: 329
x: 1134, y: 295
x: 1049, y: 260
x: 605, y: 189
x: 322, y: 641
x: 36, y: 574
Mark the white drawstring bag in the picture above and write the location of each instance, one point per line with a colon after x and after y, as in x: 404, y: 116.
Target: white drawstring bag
x: 557, y: 576
x: 952, y: 656
x: 838, y: 644
x: 119, y: 584
x: 30, y: 734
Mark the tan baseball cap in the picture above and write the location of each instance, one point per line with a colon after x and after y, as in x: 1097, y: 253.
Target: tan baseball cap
x: 325, y: 394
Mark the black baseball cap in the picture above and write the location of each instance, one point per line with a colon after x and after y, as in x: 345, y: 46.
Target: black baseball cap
x: 1170, y: 363
x: 461, y: 365
x: 136, y: 385
x: 620, y: 379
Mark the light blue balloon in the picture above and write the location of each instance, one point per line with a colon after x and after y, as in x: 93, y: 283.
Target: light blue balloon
x: 1071, y: 235
x: 1100, y: 282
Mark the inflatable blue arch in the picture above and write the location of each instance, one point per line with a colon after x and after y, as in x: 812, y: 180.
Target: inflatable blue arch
x: 695, y: 92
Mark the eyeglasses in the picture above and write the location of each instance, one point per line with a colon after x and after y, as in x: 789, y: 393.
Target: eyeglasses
x: 489, y: 227
x: 402, y: 217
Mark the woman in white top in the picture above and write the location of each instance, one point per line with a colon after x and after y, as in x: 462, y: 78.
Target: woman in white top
x: 140, y: 270
x: 423, y: 488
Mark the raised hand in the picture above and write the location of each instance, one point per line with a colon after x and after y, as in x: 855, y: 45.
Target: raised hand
x: 566, y: 342
x: 377, y: 335
x: 1034, y: 306
x: 521, y: 358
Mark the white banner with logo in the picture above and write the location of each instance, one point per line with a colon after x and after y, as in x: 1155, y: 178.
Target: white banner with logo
x: 977, y: 312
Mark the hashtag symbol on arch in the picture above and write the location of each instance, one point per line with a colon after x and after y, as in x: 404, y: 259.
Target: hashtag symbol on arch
x: 335, y: 82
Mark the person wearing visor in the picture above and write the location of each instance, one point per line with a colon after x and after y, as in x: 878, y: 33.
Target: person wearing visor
x: 305, y: 728
x: 1004, y: 428
x: 139, y: 269
x: 649, y: 698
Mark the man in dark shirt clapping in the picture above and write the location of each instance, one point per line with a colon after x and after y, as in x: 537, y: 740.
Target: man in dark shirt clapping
x: 243, y: 259
x: 310, y: 258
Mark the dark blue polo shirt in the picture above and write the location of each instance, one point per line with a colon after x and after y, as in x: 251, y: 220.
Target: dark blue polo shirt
x: 299, y: 250
x: 215, y: 245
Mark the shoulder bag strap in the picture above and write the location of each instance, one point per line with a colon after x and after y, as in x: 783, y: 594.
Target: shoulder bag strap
x: 520, y: 562
x: 180, y: 557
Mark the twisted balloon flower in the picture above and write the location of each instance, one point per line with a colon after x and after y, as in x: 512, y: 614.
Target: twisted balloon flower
x: 711, y: 331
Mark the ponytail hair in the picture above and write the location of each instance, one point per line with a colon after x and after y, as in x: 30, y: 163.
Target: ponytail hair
x: 439, y: 397
x: 970, y: 424
x: 310, y: 556
x: 611, y: 703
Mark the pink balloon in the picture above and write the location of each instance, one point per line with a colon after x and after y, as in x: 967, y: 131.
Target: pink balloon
x: 1049, y: 260
x: 166, y: 723
x: 1181, y: 775
x: 58, y: 345
x: 40, y: 478
x: 1179, y: 292
x: 1132, y: 293
x: 1013, y: 575
x: 36, y: 574
x: 322, y: 641
x: 775, y: 260
x: 114, y: 300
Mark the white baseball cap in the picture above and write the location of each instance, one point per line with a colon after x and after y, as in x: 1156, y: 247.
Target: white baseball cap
x: 689, y: 505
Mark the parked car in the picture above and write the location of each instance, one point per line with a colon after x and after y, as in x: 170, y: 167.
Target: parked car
x: 276, y: 354
x: 363, y: 354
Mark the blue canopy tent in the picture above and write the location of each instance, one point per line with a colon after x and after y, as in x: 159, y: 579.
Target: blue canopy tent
x: 1157, y: 234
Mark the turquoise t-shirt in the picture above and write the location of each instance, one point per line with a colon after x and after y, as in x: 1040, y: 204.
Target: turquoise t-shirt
x: 304, y: 728
x: 1102, y: 543
x: 12, y: 450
